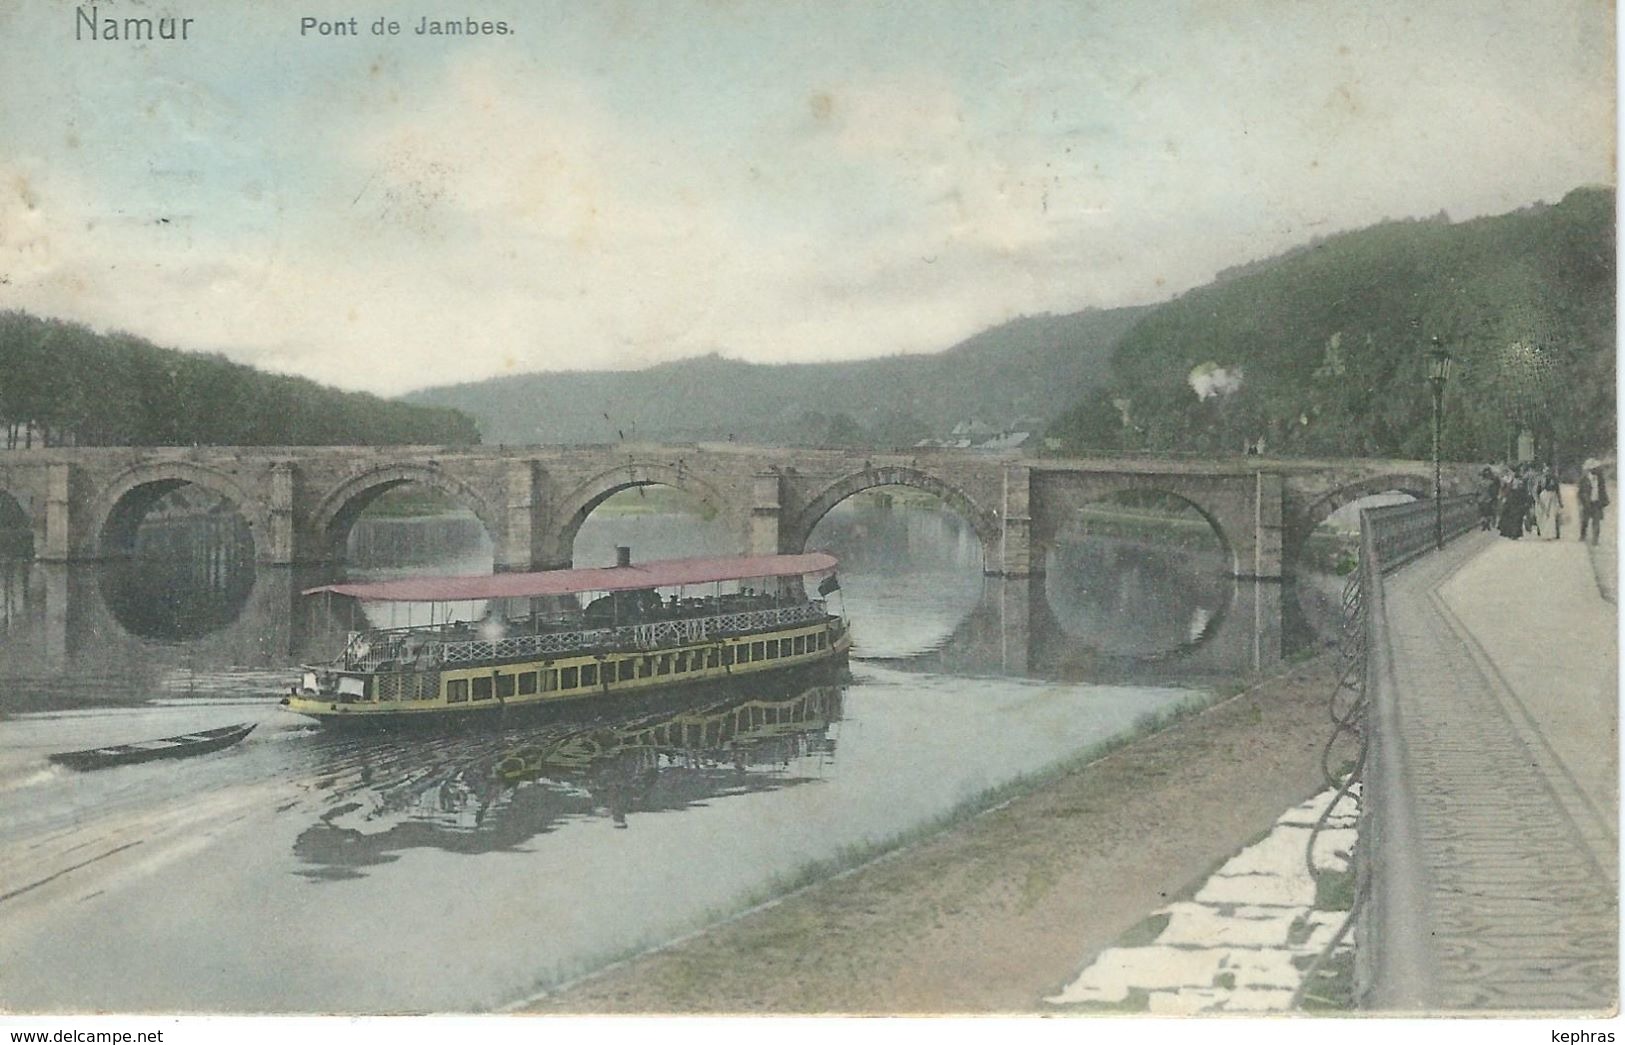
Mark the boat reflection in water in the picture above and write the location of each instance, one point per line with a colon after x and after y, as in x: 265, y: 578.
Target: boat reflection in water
x: 477, y: 794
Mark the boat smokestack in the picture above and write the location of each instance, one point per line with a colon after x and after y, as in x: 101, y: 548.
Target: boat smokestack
x: 623, y: 555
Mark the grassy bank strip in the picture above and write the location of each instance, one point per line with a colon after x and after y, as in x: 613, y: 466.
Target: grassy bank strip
x: 852, y: 859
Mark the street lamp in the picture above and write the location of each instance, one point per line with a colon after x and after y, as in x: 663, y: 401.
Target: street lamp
x: 1438, y: 374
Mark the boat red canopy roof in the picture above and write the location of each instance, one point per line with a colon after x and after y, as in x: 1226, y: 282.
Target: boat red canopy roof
x: 659, y: 574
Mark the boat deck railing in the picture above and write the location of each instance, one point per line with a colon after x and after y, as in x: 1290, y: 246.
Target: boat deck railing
x: 422, y: 650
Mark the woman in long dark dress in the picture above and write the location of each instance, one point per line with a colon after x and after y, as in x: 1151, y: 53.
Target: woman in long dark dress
x: 1514, y: 506
x: 1488, y: 494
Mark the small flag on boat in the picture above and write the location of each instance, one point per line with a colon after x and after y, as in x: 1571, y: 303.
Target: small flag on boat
x: 828, y: 584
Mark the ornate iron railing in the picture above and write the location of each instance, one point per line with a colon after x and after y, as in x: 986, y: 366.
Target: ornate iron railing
x: 420, y: 651
x: 408, y: 685
x: 1401, y: 532
x: 1390, y: 537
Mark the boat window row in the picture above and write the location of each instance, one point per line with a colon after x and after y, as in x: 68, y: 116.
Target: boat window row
x: 502, y: 685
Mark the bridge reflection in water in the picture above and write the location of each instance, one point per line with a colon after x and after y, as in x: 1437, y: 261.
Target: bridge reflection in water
x: 185, y: 579
x: 1029, y: 628
x: 1111, y: 604
x: 1106, y: 609
x: 484, y: 793
x: 79, y: 634
x: 188, y: 607
x: 540, y: 803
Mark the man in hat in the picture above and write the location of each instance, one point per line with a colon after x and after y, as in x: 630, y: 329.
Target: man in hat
x: 1593, y: 498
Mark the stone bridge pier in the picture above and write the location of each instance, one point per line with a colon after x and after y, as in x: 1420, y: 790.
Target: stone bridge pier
x: 300, y: 502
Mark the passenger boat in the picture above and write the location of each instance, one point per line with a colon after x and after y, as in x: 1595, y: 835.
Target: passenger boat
x: 182, y: 746
x: 567, y: 635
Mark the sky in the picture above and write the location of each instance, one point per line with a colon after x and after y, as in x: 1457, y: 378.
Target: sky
x: 617, y: 184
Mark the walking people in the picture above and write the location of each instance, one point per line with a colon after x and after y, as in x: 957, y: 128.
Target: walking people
x: 1593, y: 498
x: 1548, y: 505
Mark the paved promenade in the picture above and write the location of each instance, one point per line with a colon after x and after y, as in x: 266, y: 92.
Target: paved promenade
x: 1501, y: 682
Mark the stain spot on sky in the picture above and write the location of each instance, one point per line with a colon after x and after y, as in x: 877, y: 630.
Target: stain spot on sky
x: 25, y: 192
x: 1345, y: 102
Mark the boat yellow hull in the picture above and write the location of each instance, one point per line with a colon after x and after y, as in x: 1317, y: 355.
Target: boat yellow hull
x: 497, y: 690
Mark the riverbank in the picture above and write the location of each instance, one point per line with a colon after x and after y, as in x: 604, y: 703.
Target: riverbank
x: 1000, y: 911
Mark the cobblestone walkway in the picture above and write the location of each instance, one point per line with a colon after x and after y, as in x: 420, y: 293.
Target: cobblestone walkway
x: 1503, y: 677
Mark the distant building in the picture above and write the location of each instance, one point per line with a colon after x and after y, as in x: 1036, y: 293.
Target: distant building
x: 974, y: 429
x: 1005, y: 441
x: 977, y: 434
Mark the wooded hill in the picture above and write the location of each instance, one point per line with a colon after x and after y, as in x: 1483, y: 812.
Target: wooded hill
x: 64, y: 384
x: 1318, y: 351
x: 1033, y: 367
x: 1322, y: 351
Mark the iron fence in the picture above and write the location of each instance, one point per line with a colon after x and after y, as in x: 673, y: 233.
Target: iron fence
x: 1390, y: 537
x: 1401, y: 532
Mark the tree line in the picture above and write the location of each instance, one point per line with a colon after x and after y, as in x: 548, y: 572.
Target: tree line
x: 1323, y: 351
x: 63, y: 384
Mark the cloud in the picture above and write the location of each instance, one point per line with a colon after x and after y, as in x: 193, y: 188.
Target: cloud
x: 617, y: 193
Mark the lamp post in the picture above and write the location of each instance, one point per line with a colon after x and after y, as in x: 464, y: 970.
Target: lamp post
x: 1438, y: 374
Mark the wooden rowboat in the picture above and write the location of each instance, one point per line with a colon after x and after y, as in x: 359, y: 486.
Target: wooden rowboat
x: 183, y: 746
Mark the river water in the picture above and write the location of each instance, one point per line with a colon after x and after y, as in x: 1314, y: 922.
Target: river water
x: 314, y: 872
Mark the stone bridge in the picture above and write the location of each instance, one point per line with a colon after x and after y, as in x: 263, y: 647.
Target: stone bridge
x: 299, y: 502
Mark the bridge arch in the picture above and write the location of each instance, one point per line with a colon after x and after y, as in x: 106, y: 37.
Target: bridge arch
x: 126, y: 498
x: 1218, y: 508
x: 574, y: 507
x: 339, y: 508
x: 1127, y: 602
x: 1418, y: 485
x: 794, y: 534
